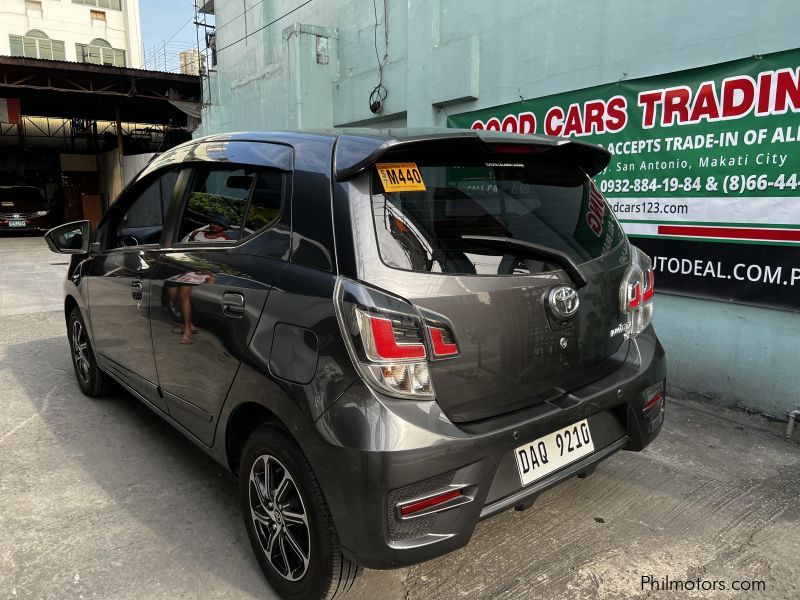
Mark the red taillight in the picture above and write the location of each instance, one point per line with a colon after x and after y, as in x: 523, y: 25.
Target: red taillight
x: 636, y: 294
x: 391, y: 341
x: 415, y: 507
x: 442, y: 342
x: 648, y: 292
x: 385, y: 345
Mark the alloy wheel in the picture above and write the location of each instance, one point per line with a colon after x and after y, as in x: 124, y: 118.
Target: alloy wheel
x: 80, y: 350
x: 279, y: 517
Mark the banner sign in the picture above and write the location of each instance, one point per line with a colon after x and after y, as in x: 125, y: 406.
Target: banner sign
x: 704, y: 174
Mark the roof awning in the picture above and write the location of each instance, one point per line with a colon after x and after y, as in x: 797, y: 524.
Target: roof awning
x: 52, y: 88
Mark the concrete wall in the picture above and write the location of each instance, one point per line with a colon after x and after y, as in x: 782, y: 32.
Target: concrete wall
x: 730, y: 354
x: 69, y: 22
x: 452, y: 56
x: 113, y: 177
x: 109, y: 175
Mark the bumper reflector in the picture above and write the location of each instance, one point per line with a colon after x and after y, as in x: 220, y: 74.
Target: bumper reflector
x: 653, y: 395
x: 420, y: 505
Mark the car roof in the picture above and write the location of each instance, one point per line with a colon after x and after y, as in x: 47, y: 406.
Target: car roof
x: 357, y: 148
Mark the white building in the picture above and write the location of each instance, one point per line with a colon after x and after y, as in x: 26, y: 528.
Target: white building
x: 94, y: 31
x: 192, y: 62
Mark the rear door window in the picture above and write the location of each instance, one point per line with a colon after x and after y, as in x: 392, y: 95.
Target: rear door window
x: 229, y: 203
x: 506, y: 199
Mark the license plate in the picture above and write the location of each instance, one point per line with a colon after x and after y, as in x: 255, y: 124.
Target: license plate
x: 16, y: 223
x: 548, y: 454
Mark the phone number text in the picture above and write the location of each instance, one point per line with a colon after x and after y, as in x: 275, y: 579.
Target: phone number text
x: 728, y: 184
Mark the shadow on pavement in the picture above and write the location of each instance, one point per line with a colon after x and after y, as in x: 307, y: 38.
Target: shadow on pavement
x: 139, y: 463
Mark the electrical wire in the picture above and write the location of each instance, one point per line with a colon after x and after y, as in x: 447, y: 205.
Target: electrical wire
x: 154, y: 56
x: 295, y: 9
x: 379, y: 93
x: 180, y: 29
x: 241, y: 14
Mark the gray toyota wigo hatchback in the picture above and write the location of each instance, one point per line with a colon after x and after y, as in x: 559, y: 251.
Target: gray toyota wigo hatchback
x: 387, y: 335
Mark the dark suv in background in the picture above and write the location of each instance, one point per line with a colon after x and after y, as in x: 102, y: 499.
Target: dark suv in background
x: 387, y: 336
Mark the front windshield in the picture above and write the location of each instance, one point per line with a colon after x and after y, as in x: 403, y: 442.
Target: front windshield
x: 549, y: 205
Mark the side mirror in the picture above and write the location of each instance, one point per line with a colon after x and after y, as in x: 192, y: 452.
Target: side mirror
x: 70, y: 238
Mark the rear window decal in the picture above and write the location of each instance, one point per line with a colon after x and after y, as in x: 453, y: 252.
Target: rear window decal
x: 400, y: 177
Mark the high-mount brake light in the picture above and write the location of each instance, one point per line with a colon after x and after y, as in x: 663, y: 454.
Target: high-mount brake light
x: 514, y: 148
x: 636, y: 294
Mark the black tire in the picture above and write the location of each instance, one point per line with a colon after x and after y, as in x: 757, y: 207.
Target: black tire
x: 92, y: 381
x: 327, y: 574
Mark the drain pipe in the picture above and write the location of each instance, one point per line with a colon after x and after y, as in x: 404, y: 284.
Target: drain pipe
x: 793, y: 416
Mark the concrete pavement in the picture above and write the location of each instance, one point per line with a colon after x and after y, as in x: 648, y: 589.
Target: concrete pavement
x: 101, y: 499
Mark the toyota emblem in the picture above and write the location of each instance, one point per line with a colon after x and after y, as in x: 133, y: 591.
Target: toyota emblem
x: 563, y: 301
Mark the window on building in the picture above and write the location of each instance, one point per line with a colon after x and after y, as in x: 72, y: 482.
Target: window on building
x: 97, y: 15
x: 34, y: 7
x: 100, y: 52
x: 115, y: 4
x: 36, y: 44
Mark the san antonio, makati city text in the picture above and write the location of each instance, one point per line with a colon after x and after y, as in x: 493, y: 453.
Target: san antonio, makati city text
x: 707, y: 141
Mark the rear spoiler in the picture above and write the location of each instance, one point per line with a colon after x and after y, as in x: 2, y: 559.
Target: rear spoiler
x: 355, y: 153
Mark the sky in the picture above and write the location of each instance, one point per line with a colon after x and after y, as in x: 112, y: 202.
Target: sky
x: 163, y: 19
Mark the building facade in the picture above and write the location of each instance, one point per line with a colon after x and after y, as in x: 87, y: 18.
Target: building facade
x: 191, y: 62
x: 420, y: 63
x: 87, y: 31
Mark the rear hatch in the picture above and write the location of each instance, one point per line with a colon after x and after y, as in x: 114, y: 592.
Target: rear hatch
x: 495, y: 231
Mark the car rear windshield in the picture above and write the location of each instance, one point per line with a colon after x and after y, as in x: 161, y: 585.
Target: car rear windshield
x: 506, y: 201
x: 21, y: 199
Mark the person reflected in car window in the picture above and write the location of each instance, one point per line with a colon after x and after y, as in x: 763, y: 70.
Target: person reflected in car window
x: 215, y: 231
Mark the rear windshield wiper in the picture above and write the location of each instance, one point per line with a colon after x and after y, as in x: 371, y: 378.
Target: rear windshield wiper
x: 532, y: 250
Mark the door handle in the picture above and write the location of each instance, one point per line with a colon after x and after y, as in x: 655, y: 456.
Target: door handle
x: 136, y: 290
x: 232, y: 304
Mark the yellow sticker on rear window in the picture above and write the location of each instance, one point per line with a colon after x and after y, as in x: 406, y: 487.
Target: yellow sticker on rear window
x: 400, y: 177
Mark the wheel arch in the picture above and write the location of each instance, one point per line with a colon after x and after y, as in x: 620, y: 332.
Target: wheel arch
x: 242, y: 422
x: 69, y: 305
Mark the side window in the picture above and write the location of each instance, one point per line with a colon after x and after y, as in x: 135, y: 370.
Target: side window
x: 265, y: 203
x: 229, y: 203
x: 143, y: 221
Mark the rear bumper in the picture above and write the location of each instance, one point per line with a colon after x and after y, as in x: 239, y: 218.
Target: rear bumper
x: 372, y: 453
